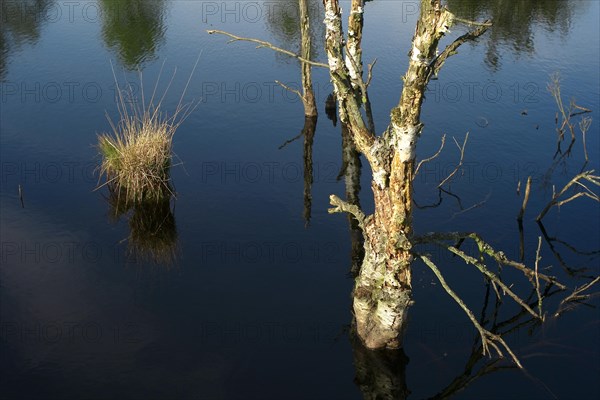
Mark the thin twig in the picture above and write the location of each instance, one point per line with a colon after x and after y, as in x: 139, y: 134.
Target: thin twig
x: 588, y: 176
x: 451, y: 49
x: 584, y: 125
x: 490, y: 275
x: 460, y: 163
x: 262, y: 43
x: 340, y: 205
x: 370, y: 73
x: 487, y: 337
x: 485, y: 248
x: 474, y: 23
x: 576, y: 296
x: 433, y: 156
x: 290, y: 89
x: 525, y: 199
x: 537, y: 277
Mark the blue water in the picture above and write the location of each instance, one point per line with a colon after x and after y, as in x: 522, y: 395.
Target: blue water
x: 257, y: 303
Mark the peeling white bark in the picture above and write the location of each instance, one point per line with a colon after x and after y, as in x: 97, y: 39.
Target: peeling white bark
x: 406, y: 141
x: 380, y: 178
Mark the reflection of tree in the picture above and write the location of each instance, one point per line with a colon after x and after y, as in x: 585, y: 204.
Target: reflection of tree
x: 20, y: 23
x: 514, y: 21
x: 380, y: 375
x: 310, y: 108
x: 134, y: 28
x: 283, y: 22
x: 152, y: 228
x: 351, y: 169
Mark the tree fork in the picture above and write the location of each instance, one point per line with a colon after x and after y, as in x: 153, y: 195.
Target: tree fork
x: 382, y: 292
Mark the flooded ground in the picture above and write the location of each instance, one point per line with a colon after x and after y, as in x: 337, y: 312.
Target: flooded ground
x: 256, y: 301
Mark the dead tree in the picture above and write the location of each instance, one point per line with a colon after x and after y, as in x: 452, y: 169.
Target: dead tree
x: 382, y: 292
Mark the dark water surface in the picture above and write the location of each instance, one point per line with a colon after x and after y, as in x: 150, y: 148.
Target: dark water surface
x: 256, y: 303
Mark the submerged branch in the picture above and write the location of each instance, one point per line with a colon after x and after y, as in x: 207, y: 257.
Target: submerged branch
x: 490, y: 275
x: 485, y: 248
x: 487, y: 338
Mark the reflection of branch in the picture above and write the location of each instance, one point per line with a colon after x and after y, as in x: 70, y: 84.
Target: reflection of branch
x: 487, y: 338
x: 462, y: 155
x: 440, y: 199
x: 549, y: 240
x: 292, y: 140
x: 474, y: 206
x: 262, y: 43
x: 588, y: 176
x: 471, y: 373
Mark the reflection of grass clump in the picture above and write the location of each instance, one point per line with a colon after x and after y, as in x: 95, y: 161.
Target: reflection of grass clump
x: 136, y: 156
x: 152, y: 228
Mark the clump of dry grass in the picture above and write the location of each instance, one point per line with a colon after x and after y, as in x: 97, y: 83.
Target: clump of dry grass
x: 136, y: 155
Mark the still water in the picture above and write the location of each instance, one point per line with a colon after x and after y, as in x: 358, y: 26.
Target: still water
x: 240, y: 288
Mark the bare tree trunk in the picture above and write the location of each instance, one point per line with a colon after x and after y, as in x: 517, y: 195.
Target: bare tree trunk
x: 308, y: 97
x: 382, y: 292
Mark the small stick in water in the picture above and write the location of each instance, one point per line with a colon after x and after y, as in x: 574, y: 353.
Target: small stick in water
x: 21, y: 196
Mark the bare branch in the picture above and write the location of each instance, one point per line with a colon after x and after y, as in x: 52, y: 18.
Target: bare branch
x: 584, y: 125
x: 490, y: 275
x: 537, y: 276
x: 349, y: 105
x: 525, y: 199
x: 577, y: 296
x: 485, y: 248
x: 433, y: 156
x: 487, y: 337
x: 290, y: 89
x: 450, y: 50
x: 262, y: 43
x: 487, y: 23
x: 340, y: 205
x: 370, y: 73
x: 588, y: 176
x: 462, y: 156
